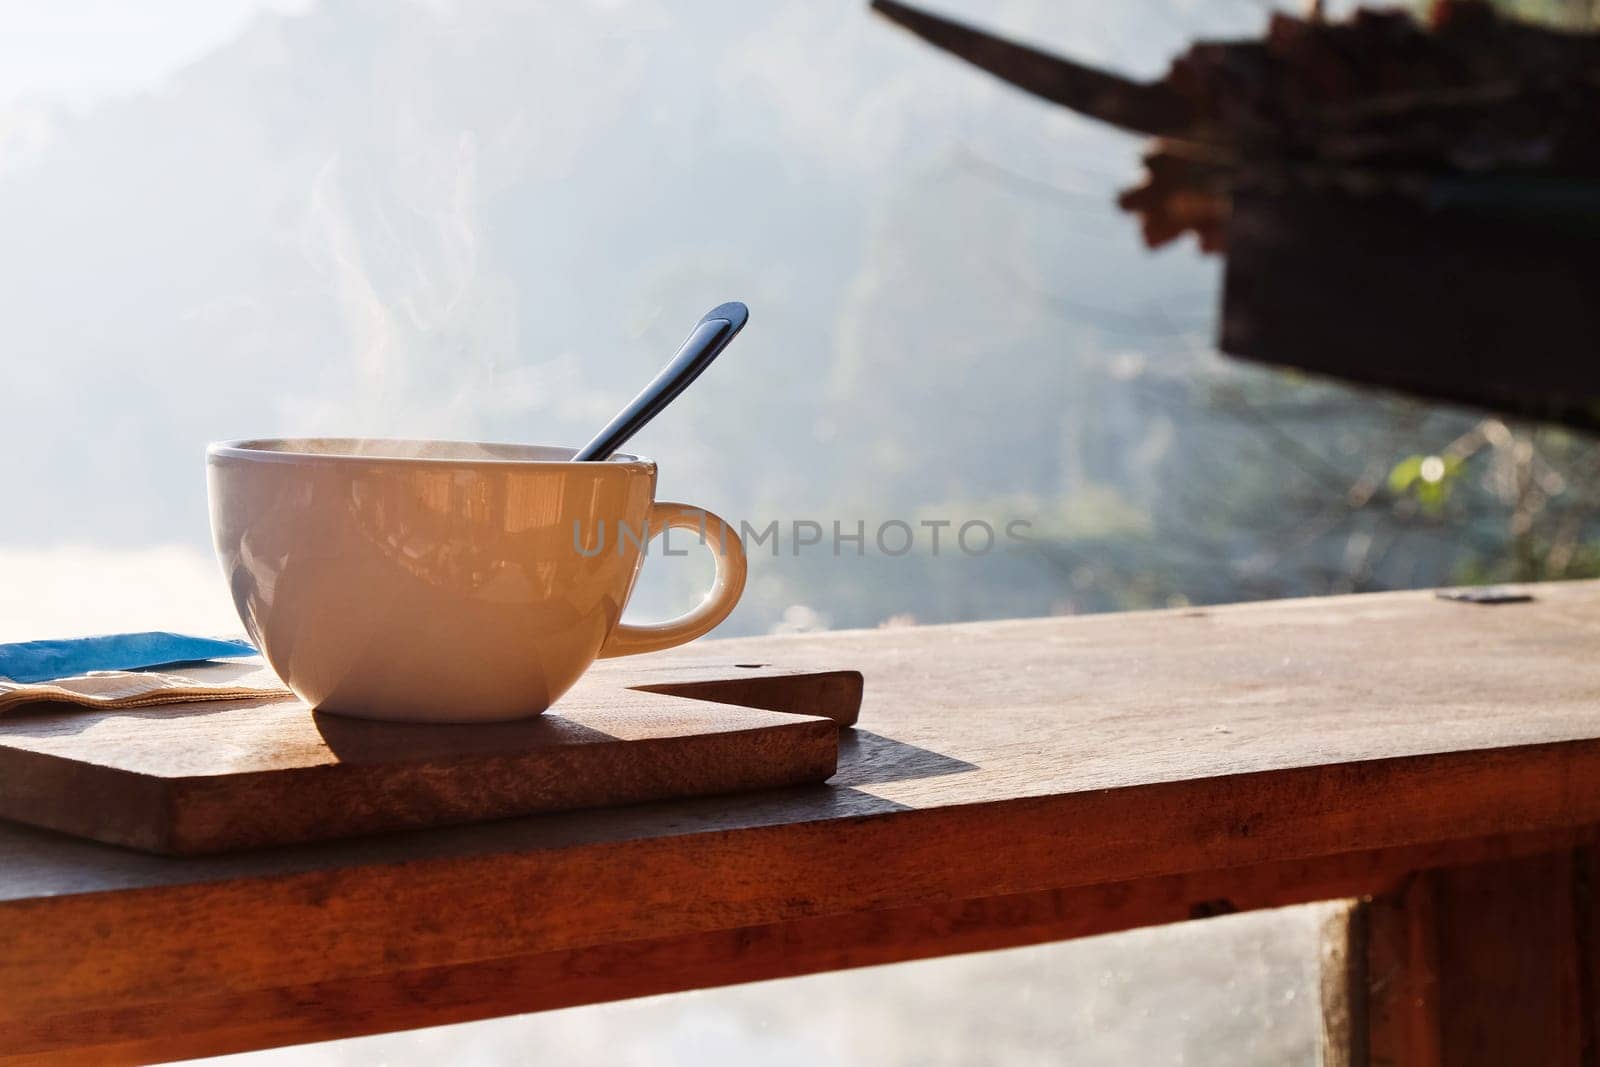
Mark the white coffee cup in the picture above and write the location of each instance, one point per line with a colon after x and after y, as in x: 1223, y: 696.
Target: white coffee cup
x: 438, y: 581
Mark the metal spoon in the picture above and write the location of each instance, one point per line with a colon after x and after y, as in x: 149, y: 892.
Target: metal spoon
x: 704, y: 343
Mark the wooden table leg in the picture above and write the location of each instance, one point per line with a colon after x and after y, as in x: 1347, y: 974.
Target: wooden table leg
x: 1490, y: 964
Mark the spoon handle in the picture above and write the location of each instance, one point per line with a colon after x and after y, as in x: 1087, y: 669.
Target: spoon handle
x: 708, y: 338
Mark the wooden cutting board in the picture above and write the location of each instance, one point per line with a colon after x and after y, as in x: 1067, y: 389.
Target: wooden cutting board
x: 215, y: 777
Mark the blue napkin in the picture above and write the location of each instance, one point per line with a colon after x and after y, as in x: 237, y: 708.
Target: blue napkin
x: 41, y: 661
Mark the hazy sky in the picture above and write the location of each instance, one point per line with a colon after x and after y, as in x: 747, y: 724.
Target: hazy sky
x: 81, y: 51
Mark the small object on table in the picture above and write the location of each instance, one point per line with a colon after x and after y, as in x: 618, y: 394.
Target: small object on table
x: 1486, y: 594
x: 41, y: 661
x: 116, y: 671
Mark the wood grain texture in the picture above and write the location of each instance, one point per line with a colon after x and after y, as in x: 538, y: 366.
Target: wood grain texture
x: 1102, y: 757
x: 213, y: 777
x: 226, y: 1021
x: 1484, y: 964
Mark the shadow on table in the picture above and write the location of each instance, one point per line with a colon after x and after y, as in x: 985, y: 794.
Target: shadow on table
x: 866, y: 758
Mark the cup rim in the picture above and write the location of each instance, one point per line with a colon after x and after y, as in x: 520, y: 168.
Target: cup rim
x: 251, y: 448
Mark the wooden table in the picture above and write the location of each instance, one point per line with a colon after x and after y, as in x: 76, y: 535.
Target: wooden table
x: 1010, y: 783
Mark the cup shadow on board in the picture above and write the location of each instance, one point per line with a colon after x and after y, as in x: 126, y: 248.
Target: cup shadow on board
x: 368, y: 741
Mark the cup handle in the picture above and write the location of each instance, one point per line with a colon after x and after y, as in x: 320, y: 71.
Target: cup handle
x: 627, y: 639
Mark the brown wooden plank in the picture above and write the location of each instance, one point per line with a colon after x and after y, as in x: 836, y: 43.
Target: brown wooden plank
x: 216, y: 1021
x: 1402, y: 974
x: 450, y: 908
x: 1586, y: 930
x: 1041, y: 708
x: 213, y: 777
x: 995, y: 759
x: 1480, y: 964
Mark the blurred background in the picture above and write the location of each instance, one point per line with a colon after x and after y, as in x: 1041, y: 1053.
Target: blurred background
x: 495, y: 220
